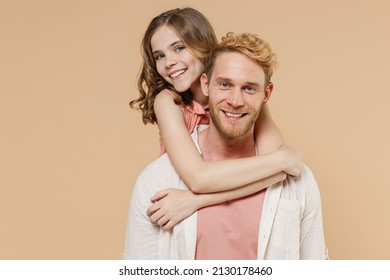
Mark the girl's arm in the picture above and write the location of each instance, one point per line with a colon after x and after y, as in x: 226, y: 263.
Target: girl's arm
x: 171, y: 206
x: 269, y: 139
x: 267, y: 135
x: 205, y: 177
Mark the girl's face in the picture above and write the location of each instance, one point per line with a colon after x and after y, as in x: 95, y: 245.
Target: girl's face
x: 174, y: 60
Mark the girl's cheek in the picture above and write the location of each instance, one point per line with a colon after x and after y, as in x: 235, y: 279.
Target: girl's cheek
x: 158, y: 67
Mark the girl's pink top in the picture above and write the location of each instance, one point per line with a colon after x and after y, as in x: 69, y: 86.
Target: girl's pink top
x: 194, y: 114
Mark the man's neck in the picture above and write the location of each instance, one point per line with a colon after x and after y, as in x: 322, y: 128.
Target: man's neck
x: 216, y: 147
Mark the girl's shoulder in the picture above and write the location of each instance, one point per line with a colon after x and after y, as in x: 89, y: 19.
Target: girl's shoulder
x: 164, y: 98
x: 166, y: 93
x: 194, y: 108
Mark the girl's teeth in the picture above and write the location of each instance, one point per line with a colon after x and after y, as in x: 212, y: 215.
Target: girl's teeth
x: 174, y: 75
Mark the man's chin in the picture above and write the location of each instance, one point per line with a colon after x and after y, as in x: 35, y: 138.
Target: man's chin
x: 233, y: 132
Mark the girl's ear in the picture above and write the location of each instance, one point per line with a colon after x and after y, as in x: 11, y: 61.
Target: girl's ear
x: 204, y: 82
x: 268, y: 91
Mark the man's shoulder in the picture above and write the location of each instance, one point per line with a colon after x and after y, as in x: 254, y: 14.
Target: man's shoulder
x: 306, y: 172
x: 157, y: 176
x: 159, y: 168
x: 303, y: 188
x: 306, y: 180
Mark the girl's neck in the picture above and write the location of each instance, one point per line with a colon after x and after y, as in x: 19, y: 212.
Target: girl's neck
x: 198, y: 95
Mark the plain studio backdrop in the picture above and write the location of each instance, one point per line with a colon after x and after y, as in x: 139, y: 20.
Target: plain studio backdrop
x: 71, y: 148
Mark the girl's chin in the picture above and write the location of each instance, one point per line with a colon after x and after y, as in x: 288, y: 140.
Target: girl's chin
x: 181, y: 88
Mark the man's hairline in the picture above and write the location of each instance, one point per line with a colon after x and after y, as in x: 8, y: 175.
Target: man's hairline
x: 233, y: 51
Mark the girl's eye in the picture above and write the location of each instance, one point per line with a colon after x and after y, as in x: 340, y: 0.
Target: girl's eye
x: 158, y: 56
x: 179, y: 48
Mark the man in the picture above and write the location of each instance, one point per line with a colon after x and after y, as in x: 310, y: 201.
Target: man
x: 283, y: 222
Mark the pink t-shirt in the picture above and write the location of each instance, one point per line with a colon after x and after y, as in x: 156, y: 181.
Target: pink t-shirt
x: 230, y: 230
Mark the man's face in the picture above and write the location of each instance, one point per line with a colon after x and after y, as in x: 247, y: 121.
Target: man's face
x: 236, y: 93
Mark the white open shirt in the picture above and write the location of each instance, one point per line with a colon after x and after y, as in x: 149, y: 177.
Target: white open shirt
x: 290, y: 227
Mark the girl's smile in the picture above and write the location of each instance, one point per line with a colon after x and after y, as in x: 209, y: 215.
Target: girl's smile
x: 174, y: 60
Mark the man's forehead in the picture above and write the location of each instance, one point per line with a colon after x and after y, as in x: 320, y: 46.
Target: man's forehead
x: 233, y: 65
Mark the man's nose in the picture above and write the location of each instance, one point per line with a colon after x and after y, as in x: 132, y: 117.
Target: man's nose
x: 236, y: 98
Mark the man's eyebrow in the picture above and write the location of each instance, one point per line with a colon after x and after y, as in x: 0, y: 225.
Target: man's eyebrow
x: 170, y: 45
x: 226, y: 79
x: 221, y: 78
x: 256, y: 84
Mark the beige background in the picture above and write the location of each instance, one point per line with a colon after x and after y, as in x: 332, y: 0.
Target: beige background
x: 71, y: 148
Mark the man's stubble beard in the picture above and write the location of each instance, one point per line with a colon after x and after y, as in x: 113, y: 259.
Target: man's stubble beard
x: 230, y: 131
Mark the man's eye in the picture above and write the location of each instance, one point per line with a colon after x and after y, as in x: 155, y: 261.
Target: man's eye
x: 249, y: 89
x: 224, y: 85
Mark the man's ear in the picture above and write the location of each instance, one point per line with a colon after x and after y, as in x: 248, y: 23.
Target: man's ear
x: 268, y: 92
x: 204, y: 82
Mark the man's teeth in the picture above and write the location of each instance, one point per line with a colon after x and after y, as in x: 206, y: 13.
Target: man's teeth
x: 233, y: 115
x: 174, y: 75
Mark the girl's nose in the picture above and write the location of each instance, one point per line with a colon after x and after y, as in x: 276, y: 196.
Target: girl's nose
x: 170, y: 60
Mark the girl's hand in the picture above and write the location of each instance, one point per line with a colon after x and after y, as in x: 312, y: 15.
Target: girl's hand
x: 293, y: 160
x: 171, y: 206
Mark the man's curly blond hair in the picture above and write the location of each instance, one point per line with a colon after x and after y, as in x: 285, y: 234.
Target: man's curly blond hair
x: 248, y: 44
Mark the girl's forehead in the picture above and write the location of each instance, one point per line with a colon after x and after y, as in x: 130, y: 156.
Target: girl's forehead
x: 164, y: 37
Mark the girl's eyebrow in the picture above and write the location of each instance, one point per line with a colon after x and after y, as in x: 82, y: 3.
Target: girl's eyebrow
x: 170, y: 45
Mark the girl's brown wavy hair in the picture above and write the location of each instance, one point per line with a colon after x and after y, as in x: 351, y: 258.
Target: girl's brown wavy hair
x: 197, y: 34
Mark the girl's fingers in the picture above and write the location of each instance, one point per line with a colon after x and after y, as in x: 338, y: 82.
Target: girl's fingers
x: 159, y: 195
x: 162, y: 221
x: 168, y: 226
x: 152, y: 209
x: 156, y: 217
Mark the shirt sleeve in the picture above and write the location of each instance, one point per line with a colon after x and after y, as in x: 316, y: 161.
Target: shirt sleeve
x: 142, y: 235
x: 312, y: 242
